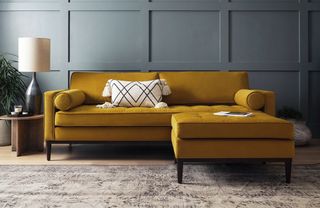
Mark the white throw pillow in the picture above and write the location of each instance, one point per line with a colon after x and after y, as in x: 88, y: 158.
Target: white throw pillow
x: 136, y: 93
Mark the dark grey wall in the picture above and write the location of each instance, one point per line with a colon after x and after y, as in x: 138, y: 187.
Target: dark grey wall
x: 277, y: 41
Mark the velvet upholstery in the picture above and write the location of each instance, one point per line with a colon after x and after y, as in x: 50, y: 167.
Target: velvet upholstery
x: 269, y: 102
x: 205, y: 125
x: 49, y: 113
x: 81, y: 120
x: 113, y: 133
x: 69, y: 99
x: 250, y: 98
x: 89, y: 115
x: 232, y: 148
x: 196, y: 88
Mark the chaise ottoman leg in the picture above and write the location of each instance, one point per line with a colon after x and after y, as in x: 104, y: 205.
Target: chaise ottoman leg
x: 48, y: 146
x: 180, y: 170
x: 288, y: 164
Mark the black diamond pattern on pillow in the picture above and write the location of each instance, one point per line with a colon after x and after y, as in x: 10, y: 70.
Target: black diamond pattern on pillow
x: 136, y: 94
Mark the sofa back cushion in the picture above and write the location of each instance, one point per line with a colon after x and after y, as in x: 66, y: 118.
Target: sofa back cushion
x: 93, y: 83
x: 203, y: 87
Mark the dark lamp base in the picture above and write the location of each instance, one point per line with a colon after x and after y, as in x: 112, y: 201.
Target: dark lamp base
x: 33, y: 97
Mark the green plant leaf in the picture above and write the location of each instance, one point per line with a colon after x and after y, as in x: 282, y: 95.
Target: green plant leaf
x: 12, y: 87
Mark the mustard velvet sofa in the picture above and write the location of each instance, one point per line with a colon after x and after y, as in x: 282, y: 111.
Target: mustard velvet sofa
x: 71, y: 115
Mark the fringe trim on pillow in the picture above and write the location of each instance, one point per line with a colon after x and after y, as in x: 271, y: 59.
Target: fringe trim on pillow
x: 161, y: 105
x: 107, y: 90
x: 105, y: 105
x: 165, y: 87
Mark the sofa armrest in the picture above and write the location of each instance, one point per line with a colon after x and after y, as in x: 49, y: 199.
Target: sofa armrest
x: 49, y: 112
x: 270, y: 102
x: 69, y: 99
x: 257, y: 99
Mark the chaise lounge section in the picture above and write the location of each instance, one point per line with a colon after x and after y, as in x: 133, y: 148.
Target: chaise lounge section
x: 203, y: 136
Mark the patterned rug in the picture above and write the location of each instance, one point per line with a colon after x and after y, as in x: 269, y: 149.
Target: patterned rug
x: 219, y: 185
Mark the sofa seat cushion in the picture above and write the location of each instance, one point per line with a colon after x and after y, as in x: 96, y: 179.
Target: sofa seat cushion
x: 205, y: 125
x: 89, y: 115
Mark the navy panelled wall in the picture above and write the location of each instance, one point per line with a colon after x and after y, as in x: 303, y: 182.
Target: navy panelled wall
x: 277, y: 41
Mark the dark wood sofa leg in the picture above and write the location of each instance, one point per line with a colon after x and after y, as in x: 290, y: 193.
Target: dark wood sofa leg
x: 288, y: 164
x: 180, y: 170
x: 48, y: 146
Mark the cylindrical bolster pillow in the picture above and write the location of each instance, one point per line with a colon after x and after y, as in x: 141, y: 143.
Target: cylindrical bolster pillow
x: 251, y: 99
x: 69, y: 99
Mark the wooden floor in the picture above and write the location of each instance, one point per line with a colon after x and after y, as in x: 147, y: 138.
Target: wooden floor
x: 142, y: 154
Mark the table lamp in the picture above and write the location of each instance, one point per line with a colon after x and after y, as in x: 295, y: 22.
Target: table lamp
x: 34, y: 56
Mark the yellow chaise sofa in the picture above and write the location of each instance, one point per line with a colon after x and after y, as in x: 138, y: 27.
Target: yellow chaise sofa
x: 71, y: 116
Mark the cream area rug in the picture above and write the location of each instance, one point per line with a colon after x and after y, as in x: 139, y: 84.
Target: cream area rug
x: 219, y: 185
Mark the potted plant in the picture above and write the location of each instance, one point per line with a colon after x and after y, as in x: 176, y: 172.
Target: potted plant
x: 12, y: 91
x: 302, y: 133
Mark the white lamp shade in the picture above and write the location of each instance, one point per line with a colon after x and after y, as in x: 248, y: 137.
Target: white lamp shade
x: 34, y: 54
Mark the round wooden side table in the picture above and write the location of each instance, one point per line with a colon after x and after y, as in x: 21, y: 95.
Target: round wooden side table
x: 26, y: 133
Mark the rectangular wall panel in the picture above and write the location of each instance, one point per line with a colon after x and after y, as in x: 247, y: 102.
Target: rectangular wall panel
x: 314, y: 36
x: 264, y: 37
x: 314, y: 103
x: 105, y: 37
x: 265, y: 1
x: 15, y: 24
x: 284, y: 84
x: 314, y: 97
x: 168, y: 1
x: 107, y: 1
x: 28, y: 1
x: 185, y: 36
